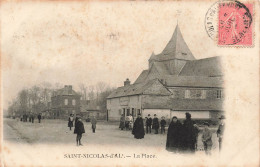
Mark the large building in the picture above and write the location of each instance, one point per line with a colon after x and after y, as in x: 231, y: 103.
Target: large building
x: 64, y: 102
x: 174, y: 83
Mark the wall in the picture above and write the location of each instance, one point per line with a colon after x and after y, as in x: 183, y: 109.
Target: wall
x: 159, y: 112
x: 115, y: 106
x: 60, y: 110
x: 179, y: 92
x: 194, y: 114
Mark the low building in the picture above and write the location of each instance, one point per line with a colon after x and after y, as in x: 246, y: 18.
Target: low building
x: 174, y: 83
x: 64, y: 102
x: 89, y: 108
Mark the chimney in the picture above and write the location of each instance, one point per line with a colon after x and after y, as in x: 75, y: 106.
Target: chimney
x: 126, y: 82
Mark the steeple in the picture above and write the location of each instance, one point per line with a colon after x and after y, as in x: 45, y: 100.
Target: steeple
x: 177, y: 47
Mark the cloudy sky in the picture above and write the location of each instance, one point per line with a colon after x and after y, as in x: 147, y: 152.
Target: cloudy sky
x: 89, y: 42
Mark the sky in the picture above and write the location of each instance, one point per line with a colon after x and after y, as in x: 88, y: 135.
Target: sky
x: 89, y: 42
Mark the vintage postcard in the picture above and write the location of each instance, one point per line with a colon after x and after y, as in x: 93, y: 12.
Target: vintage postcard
x: 129, y: 83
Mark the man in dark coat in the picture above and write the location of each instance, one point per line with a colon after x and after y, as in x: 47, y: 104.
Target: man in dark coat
x: 189, y: 137
x: 148, y: 122
x: 39, y: 117
x: 138, y: 129
x: 70, y: 121
x: 155, y: 124
x: 220, y: 130
x: 79, y: 130
x: 163, y: 124
x: 174, y: 135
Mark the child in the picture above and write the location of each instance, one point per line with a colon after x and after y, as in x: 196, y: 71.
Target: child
x: 163, y: 123
x: 206, y: 138
x: 79, y: 130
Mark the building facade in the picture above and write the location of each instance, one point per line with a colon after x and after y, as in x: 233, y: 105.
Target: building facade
x: 64, y: 102
x: 174, y: 83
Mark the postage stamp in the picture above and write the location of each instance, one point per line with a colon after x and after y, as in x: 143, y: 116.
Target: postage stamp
x: 230, y: 23
x: 234, y: 23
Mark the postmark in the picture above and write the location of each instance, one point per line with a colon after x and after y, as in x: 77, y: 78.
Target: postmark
x: 229, y: 23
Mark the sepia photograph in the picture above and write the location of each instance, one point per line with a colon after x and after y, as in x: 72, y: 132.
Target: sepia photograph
x: 130, y: 83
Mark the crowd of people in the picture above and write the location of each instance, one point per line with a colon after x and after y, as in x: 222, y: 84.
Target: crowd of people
x: 181, y: 137
x: 30, y: 117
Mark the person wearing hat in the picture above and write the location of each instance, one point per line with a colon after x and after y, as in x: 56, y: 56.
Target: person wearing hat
x: 188, y: 134
x: 174, y: 135
x: 155, y: 124
x: 70, y: 121
x: 163, y: 124
x: 206, y: 138
x: 138, y: 129
x: 148, y: 122
x: 79, y: 130
x: 220, y: 131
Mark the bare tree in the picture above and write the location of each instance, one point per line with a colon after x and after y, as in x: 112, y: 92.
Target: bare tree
x: 83, y: 91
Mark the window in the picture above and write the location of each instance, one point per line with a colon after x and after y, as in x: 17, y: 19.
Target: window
x: 219, y: 94
x: 187, y: 94
x: 127, y: 112
x: 66, y: 101
x: 138, y: 111
x: 133, y: 112
x: 73, y: 102
x: 203, y: 94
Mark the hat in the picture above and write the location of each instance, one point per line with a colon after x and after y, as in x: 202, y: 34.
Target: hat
x: 154, y: 115
x: 206, y: 123
x: 188, y: 115
x: 139, y: 114
x: 174, y: 117
x: 222, y: 117
x: 148, y: 114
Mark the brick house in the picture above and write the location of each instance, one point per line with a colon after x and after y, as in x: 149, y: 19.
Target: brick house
x: 64, y: 102
x: 174, y: 83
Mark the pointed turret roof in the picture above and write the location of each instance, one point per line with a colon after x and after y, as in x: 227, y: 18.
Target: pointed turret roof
x: 175, y: 49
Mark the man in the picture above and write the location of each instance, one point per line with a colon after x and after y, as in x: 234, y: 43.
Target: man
x: 155, y: 124
x: 138, y: 129
x: 206, y: 138
x: 163, y: 123
x: 70, y: 121
x: 94, y: 123
x: 79, y: 130
x: 189, y: 137
x: 220, y: 130
x: 149, y: 121
x: 39, y: 117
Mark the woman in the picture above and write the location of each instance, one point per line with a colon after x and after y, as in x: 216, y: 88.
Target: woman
x: 79, y: 130
x: 138, y: 129
x: 122, y: 122
x: 70, y: 121
x: 174, y: 135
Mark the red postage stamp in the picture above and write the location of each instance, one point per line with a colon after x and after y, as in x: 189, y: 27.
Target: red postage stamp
x: 235, y: 24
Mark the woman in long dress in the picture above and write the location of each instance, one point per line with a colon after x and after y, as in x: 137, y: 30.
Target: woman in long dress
x: 174, y: 135
x: 138, y: 129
